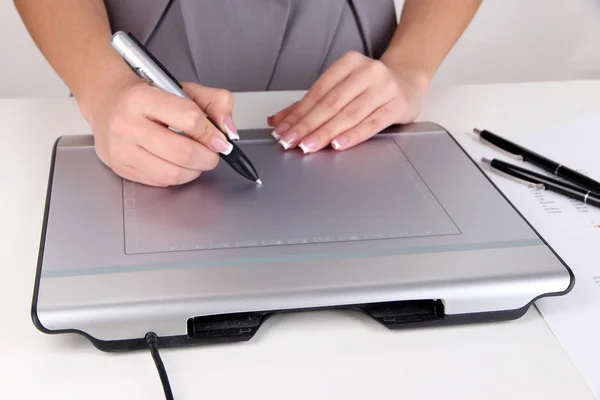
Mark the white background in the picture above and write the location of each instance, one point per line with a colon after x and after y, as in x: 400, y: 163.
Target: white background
x: 508, y: 41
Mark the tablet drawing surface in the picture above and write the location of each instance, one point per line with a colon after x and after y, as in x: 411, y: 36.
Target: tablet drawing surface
x: 369, y: 192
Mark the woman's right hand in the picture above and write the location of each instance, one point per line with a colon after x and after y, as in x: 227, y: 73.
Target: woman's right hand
x: 130, y: 128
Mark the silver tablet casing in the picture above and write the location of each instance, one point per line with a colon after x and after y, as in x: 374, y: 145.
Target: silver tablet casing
x: 86, y: 282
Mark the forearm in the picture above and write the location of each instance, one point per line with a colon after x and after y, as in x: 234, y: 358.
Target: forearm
x: 74, y: 36
x: 428, y: 29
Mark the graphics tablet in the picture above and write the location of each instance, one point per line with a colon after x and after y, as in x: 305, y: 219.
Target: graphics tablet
x: 404, y: 227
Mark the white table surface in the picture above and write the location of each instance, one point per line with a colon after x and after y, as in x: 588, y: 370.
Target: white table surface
x: 316, y: 355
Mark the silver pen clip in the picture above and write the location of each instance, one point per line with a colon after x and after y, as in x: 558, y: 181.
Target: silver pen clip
x: 530, y: 185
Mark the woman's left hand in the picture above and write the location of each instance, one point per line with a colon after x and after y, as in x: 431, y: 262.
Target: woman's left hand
x: 354, y: 99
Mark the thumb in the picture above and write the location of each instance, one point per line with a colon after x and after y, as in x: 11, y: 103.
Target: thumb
x: 217, y: 104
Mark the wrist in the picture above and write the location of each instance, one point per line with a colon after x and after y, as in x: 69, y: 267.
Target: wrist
x: 100, y: 86
x: 410, y: 71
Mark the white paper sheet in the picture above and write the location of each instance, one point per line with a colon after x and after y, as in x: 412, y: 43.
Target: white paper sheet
x: 571, y: 228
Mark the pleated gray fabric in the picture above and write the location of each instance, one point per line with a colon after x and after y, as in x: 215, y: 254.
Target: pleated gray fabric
x: 255, y: 45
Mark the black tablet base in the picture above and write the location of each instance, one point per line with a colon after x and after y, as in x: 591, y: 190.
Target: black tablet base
x: 241, y: 327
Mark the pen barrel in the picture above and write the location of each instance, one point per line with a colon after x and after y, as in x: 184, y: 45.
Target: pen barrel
x: 584, y: 196
x: 235, y: 155
x: 566, y: 191
x: 515, y: 171
x: 593, y: 200
x: 565, y: 188
x: 528, y: 155
x: 536, y: 177
x: 580, y: 179
x: 240, y: 163
x: 539, y: 161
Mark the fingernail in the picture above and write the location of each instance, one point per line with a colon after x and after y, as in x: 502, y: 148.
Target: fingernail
x: 304, y: 148
x: 308, y: 145
x: 280, y: 130
x: 231, y: 129
x: 340, y: 142
x: 221, y: 145
x: 289, y: 140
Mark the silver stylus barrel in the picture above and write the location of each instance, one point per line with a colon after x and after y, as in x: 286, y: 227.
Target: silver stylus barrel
x: 144, y: 65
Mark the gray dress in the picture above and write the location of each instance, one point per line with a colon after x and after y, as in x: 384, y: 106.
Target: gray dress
x: 255, y: 45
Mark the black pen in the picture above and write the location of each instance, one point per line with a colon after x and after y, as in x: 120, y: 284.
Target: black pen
x: 149, y: 68
x: 542, y: 182
x: 539, y: 160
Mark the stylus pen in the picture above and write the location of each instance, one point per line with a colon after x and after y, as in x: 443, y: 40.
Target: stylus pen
x: 143, y: 63
x: 535, y: 177
x: 545, y: 163
x: 542, y: 182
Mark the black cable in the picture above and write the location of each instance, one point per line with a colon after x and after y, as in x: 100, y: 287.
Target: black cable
x: 152, y: 341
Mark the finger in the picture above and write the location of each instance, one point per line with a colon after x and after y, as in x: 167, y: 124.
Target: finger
x: 159, y: 170
x: 349, y: 117
x: 159, y: 105
x: 131, y: 174
x: 174, y: 148
x: 217, y: 104
x: 331, y: 105
x: 382, y: 118
x: 276, y: 118
x: 337, y: 72
x: 181, y: 114
x: 203, y: 131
